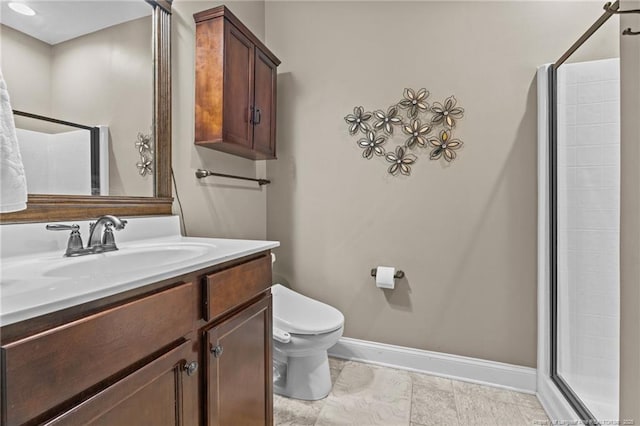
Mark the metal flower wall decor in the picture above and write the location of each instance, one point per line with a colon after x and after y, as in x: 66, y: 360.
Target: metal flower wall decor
x: 423, y: 126
x: 143, y: 146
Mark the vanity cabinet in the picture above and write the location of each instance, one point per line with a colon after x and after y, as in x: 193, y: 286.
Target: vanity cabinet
x: 237, y: 345
x: 238, y: 368
x: 184, y: 351
x: 162, y: 393
x: 43, y: 372
x: 236, y: 79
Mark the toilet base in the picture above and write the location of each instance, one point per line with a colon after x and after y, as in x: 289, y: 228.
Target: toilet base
x: 305, y: 377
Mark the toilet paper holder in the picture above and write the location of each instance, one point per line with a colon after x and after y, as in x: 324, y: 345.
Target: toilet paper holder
x: 399, y: 274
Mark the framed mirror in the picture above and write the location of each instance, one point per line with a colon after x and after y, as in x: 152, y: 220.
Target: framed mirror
x: 90, y: 86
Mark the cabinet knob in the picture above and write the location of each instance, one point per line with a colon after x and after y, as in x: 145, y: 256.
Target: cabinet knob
x: 191, y: 367
x: 217, y: 351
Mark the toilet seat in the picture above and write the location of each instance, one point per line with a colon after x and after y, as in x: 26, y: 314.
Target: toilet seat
x: 298, y: 314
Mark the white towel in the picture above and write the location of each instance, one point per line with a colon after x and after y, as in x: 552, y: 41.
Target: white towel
x: 13, y: 184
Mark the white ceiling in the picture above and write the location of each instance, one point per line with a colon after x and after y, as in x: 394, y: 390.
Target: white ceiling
x: 57, y: 21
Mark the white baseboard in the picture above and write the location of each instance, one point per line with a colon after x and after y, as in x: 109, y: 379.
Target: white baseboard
x: 514, y: 377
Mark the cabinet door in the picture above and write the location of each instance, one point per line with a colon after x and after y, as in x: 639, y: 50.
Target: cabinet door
x: 264, y: 132
x: 44, y: 371
x: 238, y: 88
x: 238, y: 368
x: 160, y: 393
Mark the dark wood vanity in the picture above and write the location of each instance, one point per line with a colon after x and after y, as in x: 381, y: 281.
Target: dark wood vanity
x: 190, y: 350
x: 194, y: 349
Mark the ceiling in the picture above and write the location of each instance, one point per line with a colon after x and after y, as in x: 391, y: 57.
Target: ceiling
x: 58, y: 21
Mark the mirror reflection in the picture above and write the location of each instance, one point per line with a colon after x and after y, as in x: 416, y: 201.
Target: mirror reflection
x: 80, y: 77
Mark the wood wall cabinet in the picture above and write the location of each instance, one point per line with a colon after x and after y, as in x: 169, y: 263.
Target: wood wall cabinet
x: 148, y: 356
x: 236, y: 79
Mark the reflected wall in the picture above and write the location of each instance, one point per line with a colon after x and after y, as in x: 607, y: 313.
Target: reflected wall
x: 102, y: 78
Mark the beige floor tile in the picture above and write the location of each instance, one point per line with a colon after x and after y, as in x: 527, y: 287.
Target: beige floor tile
x: 432, y: 405
x: 295, y: 412
x: 527, y: 400
x: 368, y: 395
x: 356, y: 411
x: 335, y: 367
x: 373, y: 383
x: 534, y: 416
x: 506, y: 414
x: 336, y: 363
x: 496, y: 394
x: 425, y: 381
x: 474, y: 410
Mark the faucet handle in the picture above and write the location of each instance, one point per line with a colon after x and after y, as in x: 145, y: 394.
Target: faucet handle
x: 107, y: 237
x: 61, y: 227
x: 74, y: 245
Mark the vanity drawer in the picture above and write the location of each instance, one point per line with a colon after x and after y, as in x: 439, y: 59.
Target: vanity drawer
x: 49, y: 368
x: 232, y: 287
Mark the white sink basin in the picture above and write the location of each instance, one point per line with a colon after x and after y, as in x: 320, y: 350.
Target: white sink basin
x: 127, y: 260
x: 44, y: 282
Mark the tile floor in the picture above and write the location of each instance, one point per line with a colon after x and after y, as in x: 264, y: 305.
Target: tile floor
x: 367, y: 395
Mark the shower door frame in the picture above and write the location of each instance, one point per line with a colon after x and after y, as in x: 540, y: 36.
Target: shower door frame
x: 572, y: 398
x: 574, y: 401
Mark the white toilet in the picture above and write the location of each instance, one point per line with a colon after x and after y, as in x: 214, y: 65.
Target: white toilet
x: 303, y: 330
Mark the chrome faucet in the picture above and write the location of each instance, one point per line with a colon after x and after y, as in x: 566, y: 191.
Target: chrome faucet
x: 101, y: 232
x: 101, y: 237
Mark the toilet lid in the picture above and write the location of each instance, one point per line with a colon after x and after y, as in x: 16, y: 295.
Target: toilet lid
x: 298, y: 314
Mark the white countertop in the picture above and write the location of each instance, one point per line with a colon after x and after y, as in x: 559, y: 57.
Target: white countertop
x: 35, y: 282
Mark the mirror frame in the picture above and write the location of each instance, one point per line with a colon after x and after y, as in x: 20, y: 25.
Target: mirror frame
x: 50, y: 208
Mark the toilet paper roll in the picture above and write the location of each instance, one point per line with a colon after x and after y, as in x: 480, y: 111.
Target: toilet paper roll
x: 384, y: 277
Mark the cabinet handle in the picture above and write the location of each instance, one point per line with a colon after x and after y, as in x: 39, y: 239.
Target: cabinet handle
x: 252, y: 115
x: 257, y: 116
x: 190, y: 367
x: 217, y: 351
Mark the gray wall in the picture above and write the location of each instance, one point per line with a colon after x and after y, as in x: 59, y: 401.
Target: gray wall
x: 26, y: 67
x: 465, y: 233
x: 213, y: 207
x: 106, y: 77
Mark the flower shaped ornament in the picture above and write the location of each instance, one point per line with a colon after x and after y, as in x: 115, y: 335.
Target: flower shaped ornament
x: 386, y: 120
x: 401, y: 161
x: 420, y: 125
x: 448, y: 113
x: 444, y: 145
x: 143, y: 143
x: 417, y: 133
x: 414, y: 102
x: 372, y: 144
x: 358, y: 120
x: 145, y: 166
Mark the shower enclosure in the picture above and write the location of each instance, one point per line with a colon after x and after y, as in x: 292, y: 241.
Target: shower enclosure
x: 579, y: 235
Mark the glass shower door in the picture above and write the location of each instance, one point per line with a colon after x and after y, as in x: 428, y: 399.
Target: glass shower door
x: 587, y: 211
